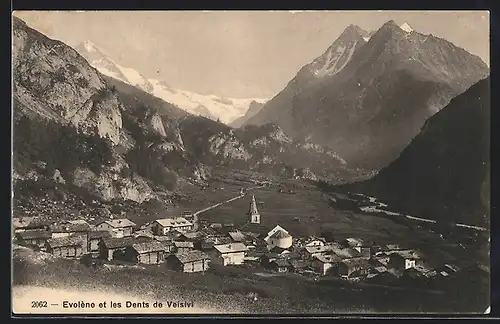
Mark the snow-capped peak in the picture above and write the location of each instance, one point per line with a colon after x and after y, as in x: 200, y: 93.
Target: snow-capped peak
x: 407, y: 28
x: 211, y: 106
x: 89, y: 46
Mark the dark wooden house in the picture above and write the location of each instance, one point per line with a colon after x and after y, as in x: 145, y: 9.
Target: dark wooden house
x: 65, y: 247
x: 35, y: 238
x: 279, y: 265
x: 181, y: 247
x: 113, y: 248
x: 152, y: 252
x: 94, y: 239
x: 193, y: 261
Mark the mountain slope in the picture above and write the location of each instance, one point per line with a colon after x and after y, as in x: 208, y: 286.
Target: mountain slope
x: 369, y: 109
x: 81, y: 133
x: 253, y: 109
x: 444, y: 173
x: 210, y: 106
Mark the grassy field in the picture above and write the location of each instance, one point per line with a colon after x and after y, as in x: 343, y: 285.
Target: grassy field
x: 307, y: 212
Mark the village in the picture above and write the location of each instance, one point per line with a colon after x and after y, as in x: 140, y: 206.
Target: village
x: 185, y: 243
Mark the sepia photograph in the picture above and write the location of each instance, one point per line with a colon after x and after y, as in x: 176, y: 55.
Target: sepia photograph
x: 250, y: 162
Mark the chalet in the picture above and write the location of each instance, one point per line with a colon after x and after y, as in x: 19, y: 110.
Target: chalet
x: 352, y: 268
x: 194, y: 261
x: 117, y: 227
x: 152, y: 252
x: 279, y: 265
x: 298, y: 266
x: 73, y: 228
x: 21, y: 224
x: 403, y: 260
x: 229, y: 254
x: 94, y: 239
x: 66, y: 247
x: 36, y: 238
x: 165, y: 225
x: 181, y: 247
x: 323, y: 262
x: 253, y: 255
x: 111, y: 248
x: 309, y: 252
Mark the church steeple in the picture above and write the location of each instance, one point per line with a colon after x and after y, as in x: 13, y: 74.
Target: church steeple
x: 253, y: 212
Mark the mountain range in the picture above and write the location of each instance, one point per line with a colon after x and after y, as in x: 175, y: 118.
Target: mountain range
x: 370, y: 93
x: 78, y: 129
x: 211, y: 106
x: 444, y: 174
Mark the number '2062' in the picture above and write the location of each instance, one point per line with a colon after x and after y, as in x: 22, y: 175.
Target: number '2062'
x: 38, y: 303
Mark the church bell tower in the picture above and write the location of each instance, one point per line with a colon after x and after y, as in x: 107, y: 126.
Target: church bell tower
x: 253, y: 213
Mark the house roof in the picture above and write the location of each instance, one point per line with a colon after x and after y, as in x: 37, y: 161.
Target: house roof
x: 183, y: 244
x: 174, y: 222
x: 279, y: 234
x: 316, y: 249
x: 298, y: 264
x: 119, y: 223
x: 391, y: 247
x: 192, y: 256
x: 35, y: 234
x: 192, y: 236
x: 119, y: 242
x: 231, y: 247
x: 64, y: 241
x: 98, y: 234
x: 354, y: 241
x: 71, y: 226
x: 237, y: 236
x: 408, y: 254
x: 146, y: 247
x: 356, y: 263
x: 278, y: 250
x: 327, y: 258
x: 345, y: 253
x: 281, y: 262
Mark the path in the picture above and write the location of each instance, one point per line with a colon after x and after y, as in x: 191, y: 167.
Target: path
x: 225, y: 202
x: 376, y: 210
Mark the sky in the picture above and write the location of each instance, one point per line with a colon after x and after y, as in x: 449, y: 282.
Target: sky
x: 239, y: 54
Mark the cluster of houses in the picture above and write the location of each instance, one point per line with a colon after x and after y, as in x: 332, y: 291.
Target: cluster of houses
x: 184, y: 244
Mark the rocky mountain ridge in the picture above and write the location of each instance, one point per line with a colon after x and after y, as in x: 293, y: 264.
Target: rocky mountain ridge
x: 366, y: 100
x: 98, y: 135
